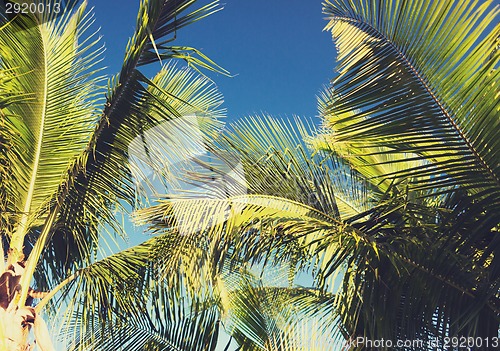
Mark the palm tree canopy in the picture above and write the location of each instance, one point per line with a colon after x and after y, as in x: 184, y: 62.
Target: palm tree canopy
x: 392, y: 205
x: 411, y: 119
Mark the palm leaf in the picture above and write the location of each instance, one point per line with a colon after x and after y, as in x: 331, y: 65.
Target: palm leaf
x: 9, y: 94
x: 54, y: 68
x: 272, y: 226
x: 262, y: 317
x: 90, y: 200
x: 261, y: 197
x: 78, y: 192
x: 130, y: 103
x: 276, y: 160
x: 381, y: 166
x: 399, y: 265
x: 405, y: 86
x: 178, y: 326
x: 129, y: 301
x: 132, y: 107
x: 236, y: 201
x: 406, y: 91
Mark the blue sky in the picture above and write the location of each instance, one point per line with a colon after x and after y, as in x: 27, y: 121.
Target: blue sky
x: 276, y: 49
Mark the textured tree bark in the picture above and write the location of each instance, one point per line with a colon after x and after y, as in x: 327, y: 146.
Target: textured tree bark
x: 16, y: 322
x: 14, y: 330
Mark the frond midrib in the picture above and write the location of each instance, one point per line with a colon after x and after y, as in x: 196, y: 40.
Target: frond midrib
x: 420, y: 77
x: 18, y: 238
x: 104, y: 121
x: 348, y: 203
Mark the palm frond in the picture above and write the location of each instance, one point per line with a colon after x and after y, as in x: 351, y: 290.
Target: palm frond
x: 251, y: 229
x: 399, y: 264
x: 179, y: 326
x: 9, y: 94
x: 55, y: 69
x: 78, y: 193
x: 157, y: 20
x: 276, y: 160
x: 271, y: 204
x: 407, y: 92
x: 128, y: 300
x: 101, y: 175
x: 143, y: 307
x: 271, y: 318
x: 91, y: 197
x: 258, y: 196
x: 381, y: 166
x: 404, y: 85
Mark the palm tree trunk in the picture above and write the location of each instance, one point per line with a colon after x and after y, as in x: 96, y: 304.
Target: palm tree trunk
x: 14, y: 331
x: 15, y: 326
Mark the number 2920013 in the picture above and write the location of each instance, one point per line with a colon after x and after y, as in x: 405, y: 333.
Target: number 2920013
x: 33, y: 8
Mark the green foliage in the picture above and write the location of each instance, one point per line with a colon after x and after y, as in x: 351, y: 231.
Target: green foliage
x: 392, y: 205
x: 66, y: 169
x: 407, y: 92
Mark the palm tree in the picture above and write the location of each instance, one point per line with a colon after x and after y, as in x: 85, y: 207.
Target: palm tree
x: 393, y: 205
x: 64, y: 172
x: 421, y: 86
